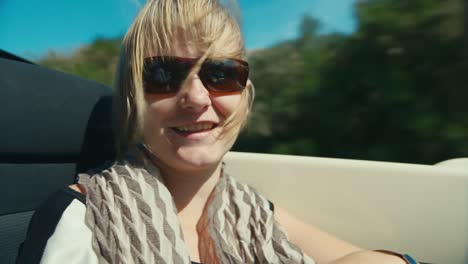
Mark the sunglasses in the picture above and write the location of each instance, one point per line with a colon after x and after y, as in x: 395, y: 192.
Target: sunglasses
x: 166, y: 74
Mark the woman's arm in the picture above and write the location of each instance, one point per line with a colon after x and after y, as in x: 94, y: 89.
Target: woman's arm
x: 325, y: 248
x: 367, y: 257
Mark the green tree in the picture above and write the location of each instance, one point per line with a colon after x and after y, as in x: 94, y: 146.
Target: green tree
x: 96, y: 61
x: 394, y: 90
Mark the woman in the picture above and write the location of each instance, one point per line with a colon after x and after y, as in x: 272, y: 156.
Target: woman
x: 183, y: 95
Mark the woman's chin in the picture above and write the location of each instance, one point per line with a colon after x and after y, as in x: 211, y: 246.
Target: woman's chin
x: 198, y: 159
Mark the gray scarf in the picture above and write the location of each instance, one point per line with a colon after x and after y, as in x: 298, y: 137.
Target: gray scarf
x: 133, y: 219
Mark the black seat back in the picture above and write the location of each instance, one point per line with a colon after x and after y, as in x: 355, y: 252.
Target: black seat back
x: 52, y: 126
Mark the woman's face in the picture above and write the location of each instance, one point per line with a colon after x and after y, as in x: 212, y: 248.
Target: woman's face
x: 184, y: 129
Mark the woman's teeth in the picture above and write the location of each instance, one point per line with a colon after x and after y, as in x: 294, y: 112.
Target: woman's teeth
x: 195, y: 127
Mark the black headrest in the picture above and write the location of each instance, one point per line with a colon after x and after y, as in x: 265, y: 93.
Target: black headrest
x: 10, y: 56
x: 48, y: 116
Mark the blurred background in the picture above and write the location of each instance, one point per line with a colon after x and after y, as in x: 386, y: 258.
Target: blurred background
x: 358, y: 79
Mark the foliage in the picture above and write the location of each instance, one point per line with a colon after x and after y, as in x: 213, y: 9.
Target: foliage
x: 96, y: 61
x: 394, y: 90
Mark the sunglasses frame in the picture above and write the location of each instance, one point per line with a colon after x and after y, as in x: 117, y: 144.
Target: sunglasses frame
x: 185, y: 65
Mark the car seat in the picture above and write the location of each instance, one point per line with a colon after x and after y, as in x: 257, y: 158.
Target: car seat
x: 52, y: 126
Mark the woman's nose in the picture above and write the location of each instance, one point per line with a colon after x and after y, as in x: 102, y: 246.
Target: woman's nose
x: 194, y: 94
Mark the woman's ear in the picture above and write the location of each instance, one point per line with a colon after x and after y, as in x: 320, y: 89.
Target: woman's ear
x: 249, y: 83
x: 251, y: 90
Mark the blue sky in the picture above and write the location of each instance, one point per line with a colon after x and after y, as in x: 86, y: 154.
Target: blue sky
x: 33, y: 27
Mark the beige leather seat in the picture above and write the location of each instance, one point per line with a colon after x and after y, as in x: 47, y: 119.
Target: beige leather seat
x: 416, y: 209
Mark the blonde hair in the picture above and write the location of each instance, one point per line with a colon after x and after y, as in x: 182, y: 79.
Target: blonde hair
x: 206, y: 25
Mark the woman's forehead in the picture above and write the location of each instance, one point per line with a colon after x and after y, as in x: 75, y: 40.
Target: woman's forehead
x: 186, y: 48
x: 190, y: 49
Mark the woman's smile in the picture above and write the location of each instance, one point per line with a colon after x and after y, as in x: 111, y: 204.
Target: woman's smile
x: 197, y: 131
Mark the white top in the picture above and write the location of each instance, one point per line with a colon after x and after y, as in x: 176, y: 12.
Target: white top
x: 71, y: 241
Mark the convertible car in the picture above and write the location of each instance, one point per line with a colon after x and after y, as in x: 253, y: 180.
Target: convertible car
x: 54, y: 125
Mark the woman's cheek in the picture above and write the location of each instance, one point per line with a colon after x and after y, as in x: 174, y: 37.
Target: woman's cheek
x: 226, y: 104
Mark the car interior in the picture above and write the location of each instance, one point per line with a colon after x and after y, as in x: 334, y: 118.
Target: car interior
x: 54, y: 125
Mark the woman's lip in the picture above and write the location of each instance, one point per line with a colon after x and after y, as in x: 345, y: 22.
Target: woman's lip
x: 194, y: 123
x: 194, y: 135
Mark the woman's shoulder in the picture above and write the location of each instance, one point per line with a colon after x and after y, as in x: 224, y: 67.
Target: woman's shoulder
x: 59, y: 201
x: 78, y: 189
x: 50, y: 212
x: 45, y: 220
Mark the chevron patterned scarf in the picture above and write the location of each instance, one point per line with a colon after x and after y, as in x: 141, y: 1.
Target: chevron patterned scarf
x: 133, y: 219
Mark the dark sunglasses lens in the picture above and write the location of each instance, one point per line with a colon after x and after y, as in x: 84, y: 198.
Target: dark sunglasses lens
x: 224, y: 75
x: 164, y: 75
